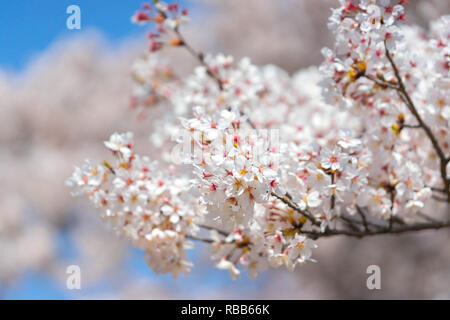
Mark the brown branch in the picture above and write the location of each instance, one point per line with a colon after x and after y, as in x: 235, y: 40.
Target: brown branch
x: 363, y: 218
x: 398, y: 220
x: 350, y: 223
x: 439, y: 198
x: 437, y: 190
x: 200, y: 57
x: 197, y: 238
x: 426, y: 217
x: 365, y: 222
x: 287, y: 200
x: 411, y: 126
x: 362, y: 234
x: 404, y: 96
x: 381, y: 83
x: 391, y: 216
x: 224, y: 233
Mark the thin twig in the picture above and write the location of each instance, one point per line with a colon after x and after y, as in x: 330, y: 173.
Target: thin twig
x: 362, y: 234
x: 214, y: 228
x: 350, y: 223
x: 437, y: 190
x: 200, y: 57
x: 391, y: 215
x: 426, y: 217
x: 411, y: 126
x: 398, y: 220
x: 190, y: 236
x: 381, y: 83
x: 438, y: 198
x: 287, y: 200
x: 363, y: 218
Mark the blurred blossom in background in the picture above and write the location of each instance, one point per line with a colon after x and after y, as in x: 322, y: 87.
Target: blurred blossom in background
x: 62, y: 92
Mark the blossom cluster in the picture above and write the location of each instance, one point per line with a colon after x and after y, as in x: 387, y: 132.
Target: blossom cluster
x: 153, y: 82
x: 267, y: 162
x: 141, y: 202
x: 167, y: 17
x: 359, y: 75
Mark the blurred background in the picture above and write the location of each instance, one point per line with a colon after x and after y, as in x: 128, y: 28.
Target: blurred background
x: 62, y: 92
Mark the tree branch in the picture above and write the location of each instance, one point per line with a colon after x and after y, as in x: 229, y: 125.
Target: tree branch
x: 362, y: 234
x: 287, y: 200
x: 213, y: 228
x: 426, y: 217
x: 363, y: 218
x: 381, y: 83
x: 197, y: 238
x: 403, y: 94
x: 200, y: 57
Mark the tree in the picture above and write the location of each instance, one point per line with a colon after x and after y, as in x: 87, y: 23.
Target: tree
x: 260, y: 164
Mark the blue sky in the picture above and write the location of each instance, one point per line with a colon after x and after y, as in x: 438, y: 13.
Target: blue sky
x: 203, y: 279
x: 27, y: 27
